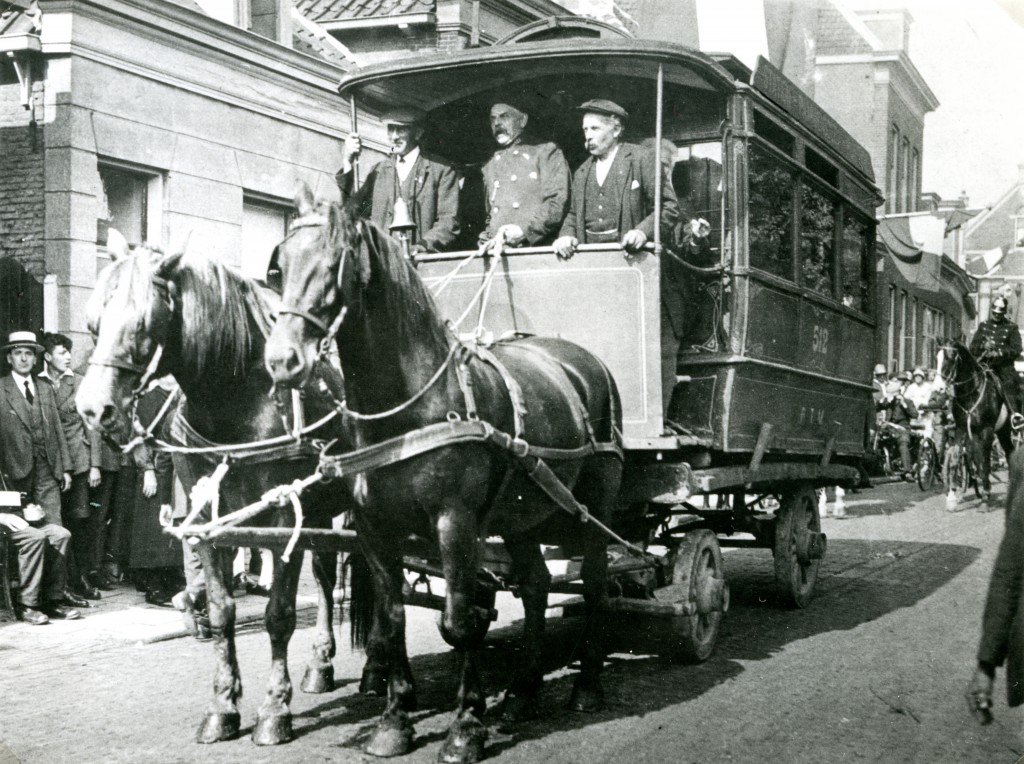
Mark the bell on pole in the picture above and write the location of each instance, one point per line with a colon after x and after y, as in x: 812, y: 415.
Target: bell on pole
x: 402, y: 226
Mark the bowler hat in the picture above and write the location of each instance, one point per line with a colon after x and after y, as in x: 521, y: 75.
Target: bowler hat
x: 22, y: 340
x: 903, y: 376
x: 403, y: 115
x: 603, y: 106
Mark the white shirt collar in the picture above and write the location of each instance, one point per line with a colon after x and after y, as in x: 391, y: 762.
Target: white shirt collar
x: 46, y: 373
x: 403, y: 165
x: 603, y: 166
x: 610, y: 156
x: 20, y: 379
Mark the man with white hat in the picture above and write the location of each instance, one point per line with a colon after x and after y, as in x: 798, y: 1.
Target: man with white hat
x: 35, y: 461
x: 428, y: 186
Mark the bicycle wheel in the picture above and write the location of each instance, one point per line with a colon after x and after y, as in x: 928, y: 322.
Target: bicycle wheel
x: 927, y: 459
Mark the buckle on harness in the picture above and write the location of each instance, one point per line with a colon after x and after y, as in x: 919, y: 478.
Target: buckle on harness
x: 519, y: 447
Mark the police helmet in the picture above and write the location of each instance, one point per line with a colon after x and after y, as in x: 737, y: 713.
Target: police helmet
x: 1000, y: 306
x: 879, y: 369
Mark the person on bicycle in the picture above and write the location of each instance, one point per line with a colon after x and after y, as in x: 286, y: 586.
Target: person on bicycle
x: 997, y: 344
x: 902, y: 412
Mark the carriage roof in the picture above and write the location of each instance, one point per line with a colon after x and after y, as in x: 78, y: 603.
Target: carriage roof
x: 455, y: 88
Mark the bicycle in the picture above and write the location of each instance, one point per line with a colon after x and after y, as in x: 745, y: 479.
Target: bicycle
x: 922, y: 450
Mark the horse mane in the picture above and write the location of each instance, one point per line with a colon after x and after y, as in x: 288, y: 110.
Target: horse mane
x: 219, y: 310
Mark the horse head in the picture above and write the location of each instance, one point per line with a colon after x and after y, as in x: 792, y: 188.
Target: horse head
x: 955, y: 362
x: 324, y: 269
x: 129, y: 314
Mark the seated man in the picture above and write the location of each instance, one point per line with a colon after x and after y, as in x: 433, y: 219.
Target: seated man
x: 902, y: 413
x: 997, y: 344
x: 33, y: 458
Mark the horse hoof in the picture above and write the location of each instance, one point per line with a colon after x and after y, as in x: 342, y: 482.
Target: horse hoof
x: 516, y: 709
x: 586, y: 698
x: 218, y: 726
x: 465, y: 743
x: 272, y: 730
x: 318, y: 679
x: 392, y: 736
x: 373, y: 682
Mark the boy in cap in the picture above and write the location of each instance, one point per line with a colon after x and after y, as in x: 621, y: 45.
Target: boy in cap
x: 428, y: 185
x: 34, y: 459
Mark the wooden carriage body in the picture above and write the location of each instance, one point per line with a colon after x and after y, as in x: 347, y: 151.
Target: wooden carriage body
x: 780, y: 342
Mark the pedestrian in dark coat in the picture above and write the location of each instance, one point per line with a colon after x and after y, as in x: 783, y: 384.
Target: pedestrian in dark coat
x: 429, y: 186
x: 1002, y: 632
x: 526, y: 182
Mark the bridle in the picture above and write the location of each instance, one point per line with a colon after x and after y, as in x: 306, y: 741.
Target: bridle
x: 328, y: 331
x: 167, y: 292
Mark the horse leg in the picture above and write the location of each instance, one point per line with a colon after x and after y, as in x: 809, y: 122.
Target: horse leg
x: 368, y: 628
x: 222, y: 718
x: 534, y: 581
x: 597, y: 488
x: 319, y: 676
x: 457, y: 539
x: 986, y: 441
x: 274, y: 717
x: 394, y: 732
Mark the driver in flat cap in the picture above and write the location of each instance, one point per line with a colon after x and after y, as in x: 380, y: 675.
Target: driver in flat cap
x: 613, y: 190
x: 428, y: 185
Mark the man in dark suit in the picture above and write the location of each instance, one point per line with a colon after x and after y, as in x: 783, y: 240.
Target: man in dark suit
x: 613, y: 190
x: 526, y: 182
x: 75, y: 509
x: 34, y: 457
x: 428, y: 186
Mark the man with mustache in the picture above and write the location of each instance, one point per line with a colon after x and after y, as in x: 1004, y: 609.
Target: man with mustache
x: 613, y: 190
x: 428, y: 186
x: 526, y: 181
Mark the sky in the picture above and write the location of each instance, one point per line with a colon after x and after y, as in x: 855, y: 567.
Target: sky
x: 971, y: 54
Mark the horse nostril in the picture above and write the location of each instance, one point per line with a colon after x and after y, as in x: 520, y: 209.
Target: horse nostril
x: 108, y: 416
x: 286, y: 361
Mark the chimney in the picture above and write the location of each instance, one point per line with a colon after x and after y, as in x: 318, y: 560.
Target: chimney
x: 272, y: 19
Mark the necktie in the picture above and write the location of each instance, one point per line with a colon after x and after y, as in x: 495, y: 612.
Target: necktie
x: 28, y: 393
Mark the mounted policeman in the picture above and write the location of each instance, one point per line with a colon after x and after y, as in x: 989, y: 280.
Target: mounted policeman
x: 997, y: 344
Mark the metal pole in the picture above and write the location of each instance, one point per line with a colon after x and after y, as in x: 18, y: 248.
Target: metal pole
x: 354, y: 113
x: 658, y: 108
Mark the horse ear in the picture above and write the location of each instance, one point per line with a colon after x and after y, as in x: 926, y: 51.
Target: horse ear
x: 117, y: 245
x: 304, y: 201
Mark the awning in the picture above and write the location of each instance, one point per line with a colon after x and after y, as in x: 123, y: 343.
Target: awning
x: 899, y: 241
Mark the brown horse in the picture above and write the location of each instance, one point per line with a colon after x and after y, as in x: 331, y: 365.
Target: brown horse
x: 405, y: 370
x: 210, y: 325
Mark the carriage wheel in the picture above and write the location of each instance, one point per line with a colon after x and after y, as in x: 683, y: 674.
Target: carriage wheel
x: 927, y: 459
x: 799, y: 546
x: 699, y: 577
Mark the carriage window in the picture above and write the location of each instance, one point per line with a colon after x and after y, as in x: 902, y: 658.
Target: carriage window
x: 817, y: 234
x: 771, y: 214
x: 856, y: 264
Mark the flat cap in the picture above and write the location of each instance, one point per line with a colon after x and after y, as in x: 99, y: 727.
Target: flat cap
x: 403, y: 115
x: 603, y: 106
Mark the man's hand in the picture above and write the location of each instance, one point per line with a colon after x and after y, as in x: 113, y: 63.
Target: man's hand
x: 979, y: 696
x: 512, y: 234
x: 634, y: 240
x: 165, y: 515
x: 353, y: 148
x: 12, y: 522
x: 698, y: 228
x: 149, y: 484
x: 66, y: 485
x: 95, y: 476
x: 565, y: 246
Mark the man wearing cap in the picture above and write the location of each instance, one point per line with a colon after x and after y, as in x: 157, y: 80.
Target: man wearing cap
x: 35, y: 461
x: 526, y: 182
x: 902, y: 412
x: 428, y: 186
x: 613, y: 190
x: 997, y: 344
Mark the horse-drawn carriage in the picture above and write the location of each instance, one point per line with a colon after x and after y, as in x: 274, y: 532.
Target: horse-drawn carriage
x: 770, y: 400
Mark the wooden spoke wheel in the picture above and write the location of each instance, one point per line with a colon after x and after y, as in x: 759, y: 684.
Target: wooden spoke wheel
x: 799, y: 546
x: 698, y: 578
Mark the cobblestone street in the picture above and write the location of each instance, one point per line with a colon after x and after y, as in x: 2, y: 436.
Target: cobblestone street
x: 873, y: 670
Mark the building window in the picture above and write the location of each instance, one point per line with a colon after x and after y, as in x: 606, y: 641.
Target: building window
x: 890, y: 355
x: 264, y: 224
x: 904, y: 194
x: 915, y: 180
x: 132, y: 204
x: 893, y: 170
x: 914, y: 357
x: 904, y: 323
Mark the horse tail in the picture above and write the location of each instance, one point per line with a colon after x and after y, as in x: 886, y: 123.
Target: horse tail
x: 362, y: 604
